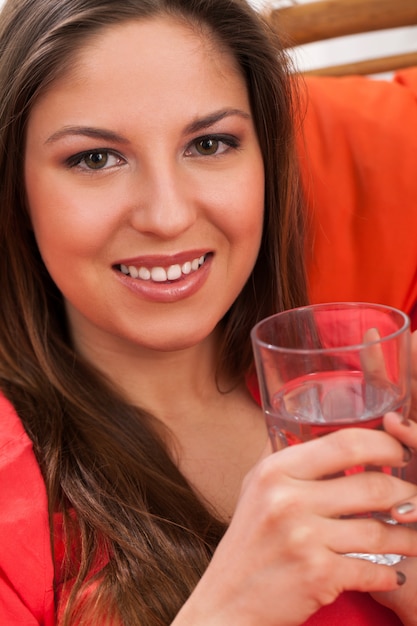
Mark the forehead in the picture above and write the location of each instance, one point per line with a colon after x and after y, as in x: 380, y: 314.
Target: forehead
x: 151, y: 58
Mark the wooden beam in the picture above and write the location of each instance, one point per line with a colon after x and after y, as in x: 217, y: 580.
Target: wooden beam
x: 368, y: 66
x: 325, y: 19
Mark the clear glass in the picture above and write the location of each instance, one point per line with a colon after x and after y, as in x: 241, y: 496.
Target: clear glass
x: 330, y: 366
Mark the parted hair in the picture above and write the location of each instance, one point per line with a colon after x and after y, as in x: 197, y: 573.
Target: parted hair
x: 138, y: 538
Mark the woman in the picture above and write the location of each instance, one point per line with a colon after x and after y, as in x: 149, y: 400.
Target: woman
x: 150, y: 216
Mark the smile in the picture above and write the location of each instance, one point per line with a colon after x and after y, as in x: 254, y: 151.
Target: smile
x: 163, y: 274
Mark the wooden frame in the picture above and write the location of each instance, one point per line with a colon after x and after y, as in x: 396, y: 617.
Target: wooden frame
x: 326, y: 19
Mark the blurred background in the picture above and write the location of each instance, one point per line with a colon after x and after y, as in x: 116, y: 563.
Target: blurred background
x: 343, y: 49
x: 335, y: 51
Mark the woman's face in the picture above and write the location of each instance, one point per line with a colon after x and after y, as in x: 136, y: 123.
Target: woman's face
x: 145, y: 186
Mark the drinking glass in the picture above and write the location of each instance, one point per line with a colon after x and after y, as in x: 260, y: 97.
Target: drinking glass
x: 329, y: 366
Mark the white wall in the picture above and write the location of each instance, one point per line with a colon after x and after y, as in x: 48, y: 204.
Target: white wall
x: 354, y: 48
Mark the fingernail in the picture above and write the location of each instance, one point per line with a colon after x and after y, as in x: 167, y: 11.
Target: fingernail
x: 407, y: 507
x: 407, y: 454
x: 401, y: 578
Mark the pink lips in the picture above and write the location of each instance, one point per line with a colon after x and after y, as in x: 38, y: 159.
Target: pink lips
x: 165, y: 279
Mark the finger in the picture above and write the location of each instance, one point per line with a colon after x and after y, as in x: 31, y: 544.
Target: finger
x: 372, y: 357
x: 413, y: 411
x: 369, y: 536
x: 334, y: 453
x: 405, y: 512
x: 403, y: 429
x: 402, y: 602
x: 359, y: 494
x: 362, y: 575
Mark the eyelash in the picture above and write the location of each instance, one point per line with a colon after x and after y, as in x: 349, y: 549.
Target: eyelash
x: 77, y: 159
x: 228, y: 140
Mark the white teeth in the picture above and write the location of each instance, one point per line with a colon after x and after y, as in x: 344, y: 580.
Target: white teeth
x: 160, y: 274
x: 133, y: 271
x: 174, y: 272
x: 144, y: 273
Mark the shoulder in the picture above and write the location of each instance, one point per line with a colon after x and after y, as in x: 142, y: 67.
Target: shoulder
x: 11, y: 428
x: 26, y: 584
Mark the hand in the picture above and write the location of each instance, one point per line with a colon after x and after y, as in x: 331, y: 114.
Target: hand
x: 282, y: 556
x: 403, y: 601
x: 413, y: 411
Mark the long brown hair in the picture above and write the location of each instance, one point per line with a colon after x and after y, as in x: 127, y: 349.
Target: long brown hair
x: 138, y: 537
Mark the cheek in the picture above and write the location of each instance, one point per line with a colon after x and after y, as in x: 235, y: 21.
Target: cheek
x: 246, y: 219
x: 66, y: 224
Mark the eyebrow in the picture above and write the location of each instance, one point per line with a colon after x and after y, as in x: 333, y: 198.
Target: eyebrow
x: 205, y: 122
x: 108, y: 135
x: 86, y: 131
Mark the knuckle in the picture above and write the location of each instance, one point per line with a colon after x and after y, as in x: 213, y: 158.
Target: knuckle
x: 276, y: 494
x: 300, y: 538
x: 350, y: 444
x: 282, y: 510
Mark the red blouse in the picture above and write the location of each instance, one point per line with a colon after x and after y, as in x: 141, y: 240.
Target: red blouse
x: 26, y: 569
x: 358, y: 160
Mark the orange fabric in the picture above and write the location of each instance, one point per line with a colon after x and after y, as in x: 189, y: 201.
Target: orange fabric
x: 358, y: 155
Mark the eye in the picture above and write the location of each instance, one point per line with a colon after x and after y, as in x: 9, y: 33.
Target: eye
x: 95, y: 160
x: 211, y: 145
x: 207, y: 146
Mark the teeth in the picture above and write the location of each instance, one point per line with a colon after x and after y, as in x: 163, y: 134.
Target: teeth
x: 160, y: 274
x: 144, y: 273
x: 174, y: 272
x: 133, y: 271
x: 186, y: 268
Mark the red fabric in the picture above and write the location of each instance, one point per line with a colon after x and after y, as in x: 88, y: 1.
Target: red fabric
x: 354, y: 609
x: 26, y: 570
x: 26, y: 581
x: 358, y: 157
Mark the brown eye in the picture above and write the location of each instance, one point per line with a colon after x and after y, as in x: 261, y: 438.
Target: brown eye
x: 96, y: 160
x: 207, y: 146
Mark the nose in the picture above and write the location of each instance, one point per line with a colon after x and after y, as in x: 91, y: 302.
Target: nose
x: 164, y: 205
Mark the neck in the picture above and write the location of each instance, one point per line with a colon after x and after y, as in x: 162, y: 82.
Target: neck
x: 215, y: 432
x: 169, y: 385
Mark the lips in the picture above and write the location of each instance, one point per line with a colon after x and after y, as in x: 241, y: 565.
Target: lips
x: 163, y: 274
